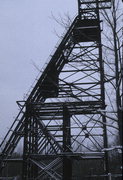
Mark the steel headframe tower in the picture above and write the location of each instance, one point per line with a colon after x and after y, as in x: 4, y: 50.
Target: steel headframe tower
x: 61, y: 120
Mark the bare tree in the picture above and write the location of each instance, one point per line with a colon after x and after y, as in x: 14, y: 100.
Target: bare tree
x: 112, y: 54
x: 113, y: 58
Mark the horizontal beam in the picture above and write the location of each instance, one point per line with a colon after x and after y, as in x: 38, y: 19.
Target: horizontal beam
x: 82, y: 155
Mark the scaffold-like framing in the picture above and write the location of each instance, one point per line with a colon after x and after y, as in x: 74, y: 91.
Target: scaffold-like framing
x: 65, y: 118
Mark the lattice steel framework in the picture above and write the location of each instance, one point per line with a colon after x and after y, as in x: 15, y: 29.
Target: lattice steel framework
x: 62, y: 118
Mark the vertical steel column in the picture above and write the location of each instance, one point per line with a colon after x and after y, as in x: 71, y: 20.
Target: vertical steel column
x: 26, y: 144
x: 30, y: 143
x: 102, y: 78
x: 79, y: 12
x: 34, y: 168
x: 67, y: 162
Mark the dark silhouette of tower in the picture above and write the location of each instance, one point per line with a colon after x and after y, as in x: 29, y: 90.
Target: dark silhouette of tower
x: 62, y: 120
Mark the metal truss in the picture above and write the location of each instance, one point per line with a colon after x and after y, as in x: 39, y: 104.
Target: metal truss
x: 64, y: 118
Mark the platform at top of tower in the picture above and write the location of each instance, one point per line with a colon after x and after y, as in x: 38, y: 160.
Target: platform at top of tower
x: 92, y: 4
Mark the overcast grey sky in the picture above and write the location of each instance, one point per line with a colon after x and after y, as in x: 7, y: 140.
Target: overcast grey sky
x: 26, y: 35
